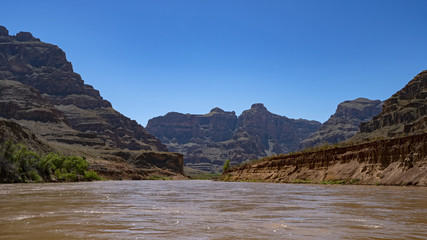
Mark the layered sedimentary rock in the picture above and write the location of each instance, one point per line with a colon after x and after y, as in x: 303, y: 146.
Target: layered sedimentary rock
x: 40, y: 91
x: 216, y: 126
x: 344, y: 124
x: 268, y: 134
x: 208, y: 140
x: 11, y: 131
x: 403, y: 114
x: 400, y: 161
x: 384, y: 157
x: 26, y: 106
x: 44, y: 67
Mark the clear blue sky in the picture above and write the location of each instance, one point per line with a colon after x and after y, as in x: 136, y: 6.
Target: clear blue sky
x: 300, y: 58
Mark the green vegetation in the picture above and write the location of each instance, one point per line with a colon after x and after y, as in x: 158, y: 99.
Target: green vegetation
x: 18, y: 164
x: 304, y: 181
x: 205, y: 176
x: 226, y: 165
x: 330, y: 182
x: 157, y: 177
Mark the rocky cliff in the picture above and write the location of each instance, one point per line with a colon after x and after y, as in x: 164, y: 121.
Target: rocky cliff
x: 44, y: 67
x: 403, y: 114
x: 389, y: 159
x: 11, y: 131
x: 40, y: 91
x: 208, y: 140
x: 400, y: 161
x: 344, y: 124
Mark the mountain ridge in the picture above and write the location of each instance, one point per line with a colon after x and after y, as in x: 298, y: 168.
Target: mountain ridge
x: 207, y: 140
x: 344, y: 123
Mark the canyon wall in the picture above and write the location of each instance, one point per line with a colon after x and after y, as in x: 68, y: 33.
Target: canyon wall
x: 40, y: 91
x: 344, y: 123
x: 208, y: 140
x: 392, y: 149
x: 399, y: 161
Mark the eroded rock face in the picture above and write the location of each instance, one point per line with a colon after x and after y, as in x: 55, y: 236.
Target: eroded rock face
x: 4, y: 31
x: 403, y: 114
x: 25, y: 36
x: 400, y: 161
x: 40, y: 92
x: 215, y: 126
x: 207, y: 141
x: 19, y: 101
x: 44, y: 67
x: 26, y: 106
x: 344, y: 124
x: 11, y: 131
x: 274, y: 133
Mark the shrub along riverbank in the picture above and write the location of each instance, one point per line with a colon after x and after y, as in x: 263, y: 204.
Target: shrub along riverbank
x: 18, y: 164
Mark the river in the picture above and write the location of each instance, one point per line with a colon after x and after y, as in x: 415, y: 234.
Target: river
x: 210, y: 210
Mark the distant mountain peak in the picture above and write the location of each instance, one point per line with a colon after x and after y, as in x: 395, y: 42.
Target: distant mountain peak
x: 258, y: 106
x: 217, y: 110
x: 4, y: 31
x: 345, y: 122
x: 25, y: 36
x: 21, y: 36
x: 208, y: 140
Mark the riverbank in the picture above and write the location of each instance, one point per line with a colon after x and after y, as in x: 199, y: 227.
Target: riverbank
x: 398, y: 161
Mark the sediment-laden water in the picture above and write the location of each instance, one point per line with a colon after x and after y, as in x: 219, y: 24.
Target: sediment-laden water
x: 210, y: 210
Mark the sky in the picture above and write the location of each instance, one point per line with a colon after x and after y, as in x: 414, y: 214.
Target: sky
x: 301, y: 58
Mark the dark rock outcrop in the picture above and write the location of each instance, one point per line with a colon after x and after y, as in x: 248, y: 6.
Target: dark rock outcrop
x: 19, y: 101
x: 403, y: 114
x: 11, y: 131
x: 26, y: 106
x: 25, y: 37
x: 208, y: 140
x: 344, y: 124
x: 4, y: 32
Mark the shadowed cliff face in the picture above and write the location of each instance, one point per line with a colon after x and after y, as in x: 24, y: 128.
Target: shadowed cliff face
x: 14, y: 132
x: 273, y: 134
x: 40, y: 91
x: 44, y: 67
x: 208, y: 140
x: 404, y: 113
x: 344, y: 124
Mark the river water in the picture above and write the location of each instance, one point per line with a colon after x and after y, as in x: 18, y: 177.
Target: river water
x: 210, y: 210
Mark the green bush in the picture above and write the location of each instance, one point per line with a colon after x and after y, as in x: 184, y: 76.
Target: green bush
x: 34, y: 176
x: 91, y: 176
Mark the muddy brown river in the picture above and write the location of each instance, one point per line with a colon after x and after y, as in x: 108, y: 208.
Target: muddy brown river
x: 210, y: 210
